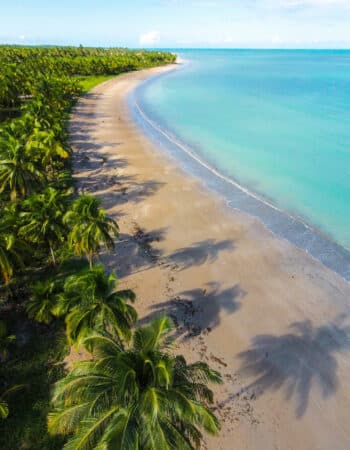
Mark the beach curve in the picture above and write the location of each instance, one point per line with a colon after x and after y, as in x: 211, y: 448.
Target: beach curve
x: 244, y: 300
x: 281, y: 222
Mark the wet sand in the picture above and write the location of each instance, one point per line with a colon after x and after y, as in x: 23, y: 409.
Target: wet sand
x: 274, y: 321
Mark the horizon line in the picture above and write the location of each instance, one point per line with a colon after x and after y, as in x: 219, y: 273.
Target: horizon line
x: 173, y: 48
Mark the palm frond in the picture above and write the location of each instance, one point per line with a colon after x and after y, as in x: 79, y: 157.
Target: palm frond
x: 90, y: 432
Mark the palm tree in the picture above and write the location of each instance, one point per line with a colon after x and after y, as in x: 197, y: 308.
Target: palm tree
x: 91, y: 302
x: 90, y: 227
x: 12, y: 248
x: 38, y: 114
x: 136, y: 398
x: 46, y: 147
x: 9, y: 89
x: 41, y: 305
x: 8, y: 256
x: 19, y: 174
x: 42, y: 219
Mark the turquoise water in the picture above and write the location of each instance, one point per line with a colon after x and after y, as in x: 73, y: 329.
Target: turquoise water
x: 278, y: 122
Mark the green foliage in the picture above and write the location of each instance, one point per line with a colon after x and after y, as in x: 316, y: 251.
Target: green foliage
x: 137, y: 397
x: 90, y: 227
x: 13, y: 249
x: 87, y: 83
x: 129, y: 396
x: 4, y: 407
x: 41, y: 305
x: 44, y: 83
x: 42, y: 219
x: 91, y: 302
x: 9, y: 87
x: 34, y: 364
x: 25, y: 71
x: 5, y: 340
x: 79, y: 61
x: 19, y: 173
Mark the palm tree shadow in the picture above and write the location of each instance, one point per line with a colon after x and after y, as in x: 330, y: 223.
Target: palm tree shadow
x: 199, y: 253
x: 197, y: 310
x: 135, y: 252
x: 296, y: 361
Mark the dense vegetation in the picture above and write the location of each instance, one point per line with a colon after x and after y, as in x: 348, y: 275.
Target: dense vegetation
x: 132, y: 393
x: 20, y: 66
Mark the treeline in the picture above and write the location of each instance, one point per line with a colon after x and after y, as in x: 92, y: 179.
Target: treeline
x: 21, y: 65
x: 132, y: 392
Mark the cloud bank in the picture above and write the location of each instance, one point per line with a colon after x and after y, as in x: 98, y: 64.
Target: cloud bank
x: 150, y: 38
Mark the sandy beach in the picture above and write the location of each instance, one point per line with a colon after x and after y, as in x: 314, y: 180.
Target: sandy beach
x: 271, y: 319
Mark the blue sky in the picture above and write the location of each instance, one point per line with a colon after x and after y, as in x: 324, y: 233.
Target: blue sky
x: 177, y: 23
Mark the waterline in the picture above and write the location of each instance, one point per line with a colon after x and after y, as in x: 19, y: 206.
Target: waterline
x: 280, y: 222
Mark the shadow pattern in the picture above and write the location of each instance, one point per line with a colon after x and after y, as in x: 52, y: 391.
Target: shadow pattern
x: 200, y: 253
x: 197, y: 310
x: 135, y: 252
x: 297, y: 360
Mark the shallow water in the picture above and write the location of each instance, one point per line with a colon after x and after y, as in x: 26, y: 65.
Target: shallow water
x: 277, y: 122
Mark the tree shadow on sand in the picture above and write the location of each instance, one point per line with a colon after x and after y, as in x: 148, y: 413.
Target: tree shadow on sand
x: 116, y: 189
x: 296, y: 361
x: 93, y: 164
x: 138, y: 253
x: 199, y: 253
x: 135, y: 252
x: 197, y: 310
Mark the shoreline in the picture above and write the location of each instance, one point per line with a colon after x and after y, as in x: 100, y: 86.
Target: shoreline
x: 271, y: 319
x: 282, y: 223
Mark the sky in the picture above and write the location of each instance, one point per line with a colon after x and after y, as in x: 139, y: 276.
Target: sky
x: 178, y: 23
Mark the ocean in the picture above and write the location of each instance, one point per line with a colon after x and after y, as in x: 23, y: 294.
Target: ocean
x: 269, y: 130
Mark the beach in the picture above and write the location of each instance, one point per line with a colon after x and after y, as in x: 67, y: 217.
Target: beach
x: 271, y: 319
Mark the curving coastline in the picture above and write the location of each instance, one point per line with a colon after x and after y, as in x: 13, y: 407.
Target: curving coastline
x: 294, y: 229
x: 274, y: 321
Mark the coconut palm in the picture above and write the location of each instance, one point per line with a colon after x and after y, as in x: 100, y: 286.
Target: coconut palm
x: 63, y: 180
x: 13, y: 250
x: 42, y: 219
x: 9, y: 256
x: 38, y: 114
x: 9, y: 89
x: 19, y: 174
x: 42, y: 303
x: 91, y: 302
x: 46, y: 147
x: 136, y: 398
x: 90, y: 227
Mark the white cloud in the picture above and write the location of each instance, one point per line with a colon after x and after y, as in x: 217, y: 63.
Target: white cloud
x: 315, y: 3
x: 276, y: 39
x: 150, y: 38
